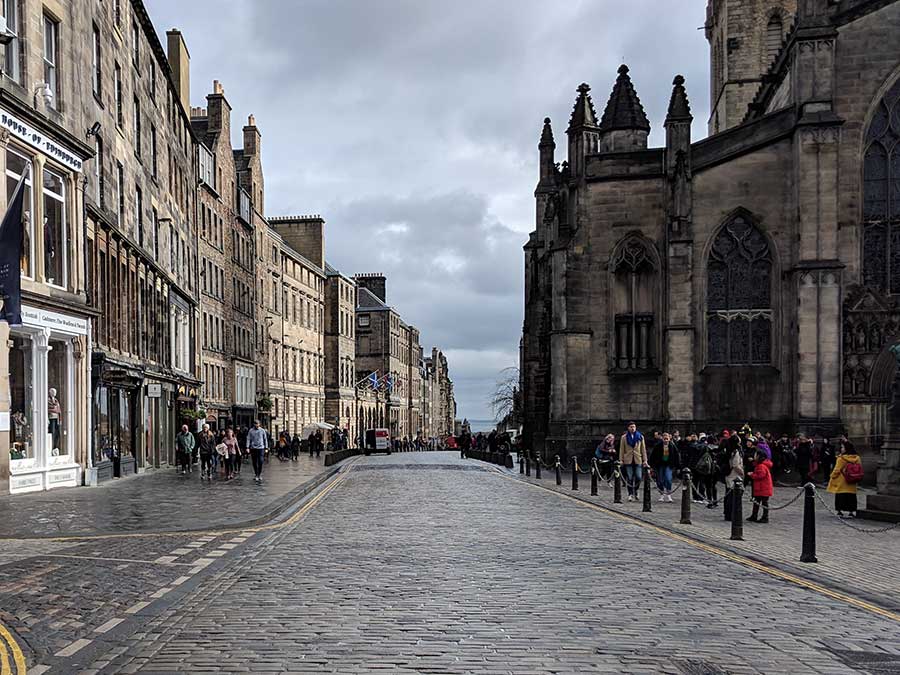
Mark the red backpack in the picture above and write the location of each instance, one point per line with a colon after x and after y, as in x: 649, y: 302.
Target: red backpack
x: 853, y: 472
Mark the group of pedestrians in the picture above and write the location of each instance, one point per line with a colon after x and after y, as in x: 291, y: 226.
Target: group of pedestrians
x: 225, y: 449
x: 725, y: 457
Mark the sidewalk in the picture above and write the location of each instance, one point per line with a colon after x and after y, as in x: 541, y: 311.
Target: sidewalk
x: 159, y: 501
x: 849, y: 560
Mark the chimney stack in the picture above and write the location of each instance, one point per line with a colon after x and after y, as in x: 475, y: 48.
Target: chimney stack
x: 180, y: 63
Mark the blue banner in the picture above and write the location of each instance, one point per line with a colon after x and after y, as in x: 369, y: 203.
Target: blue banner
x: 11, y: 235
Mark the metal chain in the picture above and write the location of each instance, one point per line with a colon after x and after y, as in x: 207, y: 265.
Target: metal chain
x: 780, y: 506
x: 844, y: 521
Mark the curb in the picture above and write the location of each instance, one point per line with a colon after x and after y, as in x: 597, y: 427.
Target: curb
x: 789, y: 568
x: 274, y: 509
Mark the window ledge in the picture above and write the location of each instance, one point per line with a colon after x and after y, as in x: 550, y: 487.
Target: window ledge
x: 759, y: 368
x: 635, y: 372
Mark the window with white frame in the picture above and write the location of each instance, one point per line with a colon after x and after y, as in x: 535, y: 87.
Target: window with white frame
x: 13, y: 49
x: 96, y: 72
x: 55, y: 229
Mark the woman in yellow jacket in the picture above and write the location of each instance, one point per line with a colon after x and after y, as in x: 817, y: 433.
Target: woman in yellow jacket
x: 845, y: 491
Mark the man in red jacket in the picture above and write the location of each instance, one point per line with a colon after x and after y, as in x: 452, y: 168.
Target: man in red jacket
x: 762, y: 487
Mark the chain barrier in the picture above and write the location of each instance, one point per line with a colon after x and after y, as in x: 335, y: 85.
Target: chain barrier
x: 845, y: 521
x: 757, y: 502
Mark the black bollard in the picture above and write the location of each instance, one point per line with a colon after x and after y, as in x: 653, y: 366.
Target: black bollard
x: 647, y: 506
x: 686, y: 495
x: 521, y: 463
x: 537, y: 466
x: 808, y: 554
x: 574, y: 473
x: 558, y: 472
x: 617, y: 485
x: 509, y: 461
x: 594, y: 472
x: 528, y: 465
x: 737, y: 510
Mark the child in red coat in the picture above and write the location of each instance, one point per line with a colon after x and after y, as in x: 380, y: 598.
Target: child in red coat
x: 762, y: 487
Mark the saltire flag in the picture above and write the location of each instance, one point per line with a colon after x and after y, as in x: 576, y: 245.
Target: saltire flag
x: 11, y: 236
x: 373, y: 379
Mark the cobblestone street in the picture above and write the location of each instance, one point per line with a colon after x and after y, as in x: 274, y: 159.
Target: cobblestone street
x: 428, y: 563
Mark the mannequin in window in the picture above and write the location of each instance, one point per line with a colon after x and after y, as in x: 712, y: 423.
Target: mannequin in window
x: 54, y: 410
x: 26, y: 242
x: 49, y: 250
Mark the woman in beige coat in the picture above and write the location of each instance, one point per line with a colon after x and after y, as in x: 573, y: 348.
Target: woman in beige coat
x: 633, y: 457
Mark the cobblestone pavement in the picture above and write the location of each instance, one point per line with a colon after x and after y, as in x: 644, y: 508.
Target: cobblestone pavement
x: 162, y: 500
x: 428, y: 563
x: 849, y: 560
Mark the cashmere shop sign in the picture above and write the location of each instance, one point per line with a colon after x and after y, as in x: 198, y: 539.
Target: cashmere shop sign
x: 36, y: 139
x: 63, y: 323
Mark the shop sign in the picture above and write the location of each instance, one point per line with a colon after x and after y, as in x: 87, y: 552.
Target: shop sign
x: 43, y: 318
x: 36, y: 139
x: 154, y: 390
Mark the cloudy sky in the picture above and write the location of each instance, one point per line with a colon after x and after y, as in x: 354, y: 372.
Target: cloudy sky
x: 412, y: 126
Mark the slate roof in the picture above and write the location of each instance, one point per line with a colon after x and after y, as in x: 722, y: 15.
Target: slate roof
x: 624, y: 109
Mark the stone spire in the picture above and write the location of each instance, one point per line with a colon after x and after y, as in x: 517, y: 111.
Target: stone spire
x: 624, y: 125
x: 583, y: 114
x: 547, y: 134
x: 679, y: 107
x: 546, y: 148
x: 624, y: 109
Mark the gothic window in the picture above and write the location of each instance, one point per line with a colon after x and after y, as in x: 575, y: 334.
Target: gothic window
x: 774, y: 36
x: 738, y: 297
x: 881, y: 196
x: 634, y: 290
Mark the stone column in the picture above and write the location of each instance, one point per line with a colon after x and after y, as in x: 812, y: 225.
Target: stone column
x: 41, y: 342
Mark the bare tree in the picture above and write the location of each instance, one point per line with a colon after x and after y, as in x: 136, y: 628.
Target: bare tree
x: 505, y: 399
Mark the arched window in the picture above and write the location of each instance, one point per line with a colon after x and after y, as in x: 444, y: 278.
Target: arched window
x: 738, y: 296
x: 774, y: 36
x: 881, y: 196
x: 633, y: 293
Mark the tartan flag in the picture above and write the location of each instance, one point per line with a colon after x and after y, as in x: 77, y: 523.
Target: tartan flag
x: 11, y: 236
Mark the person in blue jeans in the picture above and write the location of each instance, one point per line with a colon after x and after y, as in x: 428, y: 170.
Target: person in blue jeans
x: 257, y: 443
x: 665, y: 460
x: 633, y: 457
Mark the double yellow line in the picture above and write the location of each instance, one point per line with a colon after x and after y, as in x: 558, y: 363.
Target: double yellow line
x: 12, y: 660
x: 728, y: 555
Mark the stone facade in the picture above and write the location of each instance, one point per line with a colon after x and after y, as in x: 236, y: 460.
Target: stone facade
x: 744, y: 277
x: 340, y: 352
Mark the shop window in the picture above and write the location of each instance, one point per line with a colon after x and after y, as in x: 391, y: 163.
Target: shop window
x: 21, y: 385
x: 16, y: 164
x: 55, y: 239
x: 58, y: 400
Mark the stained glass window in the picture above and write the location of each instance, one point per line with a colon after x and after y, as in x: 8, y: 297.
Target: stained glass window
x: 634, y: 288
x: 738, y: 296
x: 881, y: 196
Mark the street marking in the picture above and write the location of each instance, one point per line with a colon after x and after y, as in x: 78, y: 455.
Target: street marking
x: 216, y: 554
x: 38, y: 670
x: 161, y: 592
x: 166, y: 559
x: 74, y: 647
x: 94, y: 557
x: 4, y: 659
x: 180, y: 551
x: 18, y: 657
x: 180, y: 580
x: 239, y: 540
x: 728, y: 555
x: 109, y: 625
x: 203, y: 562
x: 137, y: 607
x: 227, y: 547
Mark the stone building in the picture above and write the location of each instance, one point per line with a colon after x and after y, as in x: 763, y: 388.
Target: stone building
x: 45, y: 437
x: 413, y: 382
x: 440, y: 405
x: 227, y: 272
x: 141, y: 236
x: 298, y: 385
x: 340, y: 351
x: 744, y: 277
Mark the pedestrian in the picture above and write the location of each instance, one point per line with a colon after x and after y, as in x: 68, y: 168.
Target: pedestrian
x: 705, y: 472
x: 804, y: 456
x: 665, y: 460
x: 633, y: 457
x: 733, y: 462
x: 207, y: 450
x: 762, y: 487
x: 184, y: 445
x: 295, y: 447
x: 232, y: 451
x: 606, y: 456
x: 844, y: 478
x: 827, y: 457
x: 257, y: 442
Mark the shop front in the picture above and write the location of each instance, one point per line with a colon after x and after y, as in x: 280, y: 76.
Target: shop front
x: 159, y: 423
x: 115, y: 413
x: 43, y: 426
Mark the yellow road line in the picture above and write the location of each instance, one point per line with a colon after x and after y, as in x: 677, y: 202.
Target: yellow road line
x: 17, y: 655
x: 728, y: 555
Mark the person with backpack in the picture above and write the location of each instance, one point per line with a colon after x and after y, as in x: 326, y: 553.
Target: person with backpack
x: 763, y: 487
x: 845, y: 477
x: 705, y: 472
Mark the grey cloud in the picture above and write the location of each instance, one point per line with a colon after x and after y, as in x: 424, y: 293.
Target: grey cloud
x: 412, y: 125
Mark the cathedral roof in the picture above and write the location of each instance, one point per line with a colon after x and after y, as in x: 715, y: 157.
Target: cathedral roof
x: 624, y: 109
x: 679, y: 106
x: 583, y: 114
